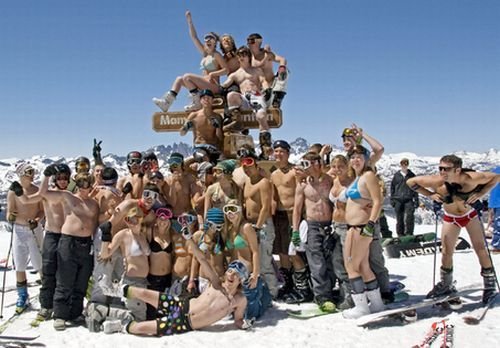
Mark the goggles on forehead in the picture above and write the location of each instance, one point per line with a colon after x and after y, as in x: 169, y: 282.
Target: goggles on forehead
x: 146, y: 194
x: 186, y: 219
x: 164, y: 214
x: 349, y: 132
x: 231, y: 208
x: 247, y: 161
x: 209, y: 37
x: 244, y: 153
x: 133, y: 161
x: 240, y: 269
x: 217, y: 227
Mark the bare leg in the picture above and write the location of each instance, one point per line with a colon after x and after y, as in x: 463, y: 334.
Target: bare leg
x: 233, y: 100
x: 356, y: 251
x: 150, y: 296
x: 192, y: 81
x: 475, y: 231
x: 261, y: 117
x: 449, y: 236
x: 143, y: 328
x: 178, y: 83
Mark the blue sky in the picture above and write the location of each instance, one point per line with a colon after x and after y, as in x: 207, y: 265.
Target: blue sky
x: 421, y: 76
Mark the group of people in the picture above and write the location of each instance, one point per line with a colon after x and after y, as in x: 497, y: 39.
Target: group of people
x: 197, y: 244
x: 251, y: 84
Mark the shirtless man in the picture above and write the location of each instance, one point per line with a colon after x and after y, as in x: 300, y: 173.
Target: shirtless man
x: 264, y: 58
x: 24, y: 220
x: 206, y: 126
x: 133, y: 182
x: 458, y: 189
x: 54, y: 219
x: 284, y: 183
x: 176, y: 316
x: 182, y: 185
x: 257, y: 199
x: 252, y: 82
x: 313, y: 195
x: 74, y: 251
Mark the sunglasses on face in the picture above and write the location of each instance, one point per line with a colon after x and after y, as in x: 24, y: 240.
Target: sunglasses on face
x: 231, y: 208
x: 250, y: 41
x: 150, y: 194
x: 164, y: 214
x: 82, y: 166
x: 133, y: 161
x: 186, y: 219
x: 29, y: 172
x: 445, y: 169
x: 217, y: 227
x: 248, y: 161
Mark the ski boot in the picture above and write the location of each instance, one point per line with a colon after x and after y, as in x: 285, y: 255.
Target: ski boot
x: 345, y: 301
x: 302, y: 292
x: 489, y: 284
x: 445, y: 286
x: 287, y: 287
x: 165, y: 102
x: 22, y: 297
x: 360, y: 307
x: 195, y: 102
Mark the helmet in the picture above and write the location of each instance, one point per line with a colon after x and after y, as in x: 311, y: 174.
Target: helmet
x: 82, y: 164
x: 227, y: 166
x: 63, y: 168
x: 109, y: 176
x: 134, y: 157
x: 150, y: 156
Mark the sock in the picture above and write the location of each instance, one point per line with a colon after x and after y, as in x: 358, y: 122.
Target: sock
x: 125, y: 290
x: 193, y: 91
x: 174, y: 93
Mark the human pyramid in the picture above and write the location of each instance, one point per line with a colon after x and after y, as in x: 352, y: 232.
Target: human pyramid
x: 165, y: 250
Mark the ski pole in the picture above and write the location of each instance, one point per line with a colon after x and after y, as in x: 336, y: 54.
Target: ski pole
x: 436, y: 207
x: 6, y: 266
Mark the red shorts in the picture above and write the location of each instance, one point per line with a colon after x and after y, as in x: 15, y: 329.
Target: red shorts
x: 460, y: 221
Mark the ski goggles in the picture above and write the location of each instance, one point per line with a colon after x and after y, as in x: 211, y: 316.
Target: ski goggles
x: 349, y: 132
x: 133, y: 161
x: 186, y: 219
x: 306, y: 164
x: 148, y: 194
x: 247, y: 161
x: 82, y: 167
x: 174, y: 166
x: 209, y: 37
x: 29, y: 172
x: 240, y: 269
x: 217, y: 227
x: 231, y: 208
x: 241, y: 153
x: 164, y: 214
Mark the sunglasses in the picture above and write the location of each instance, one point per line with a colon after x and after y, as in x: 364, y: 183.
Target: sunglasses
x: 29, y: 172
x: 250, y: 41
x: 150, y: 194
x: 174, y: 166
x: 445, y: 169
x: 209, y: 37
x: 133, y: 220
x: 231, y: 208
x: 186, y: 219
x: 133, y: 161
x: 247, y: 161
x: 164, y: 214
x: 217, y: 227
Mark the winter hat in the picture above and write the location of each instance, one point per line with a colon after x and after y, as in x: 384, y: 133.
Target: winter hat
x: 227, y: 166
x: 23, y: 167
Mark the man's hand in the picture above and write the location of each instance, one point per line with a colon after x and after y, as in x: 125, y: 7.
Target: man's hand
x: 12, y: 217
x: 32, y: 224
x: 369, y: 229
x: 16, y: 188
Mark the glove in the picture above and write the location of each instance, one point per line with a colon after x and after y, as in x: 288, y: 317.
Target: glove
x: 16, y: 188
x: 247, y: 324
x: 393, y: 203
x: 105, y: 228
x: 33, y: 224
x: 50, y: 170
x: 127, y: 188
x: 296, y: 238
x: 12, y: 218
x: 282, y: 73
x: 369, y: 229
x: 186, y: 234
x: 436, y: 206
x: 268, y: 92
x: 215, y: 122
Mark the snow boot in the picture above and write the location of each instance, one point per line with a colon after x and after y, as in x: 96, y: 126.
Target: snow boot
x: 360, y: 307
x: 346, y: 298
x: 195, y: 102
x: 302, y: 292
x: 376, y: 303
x: 445, y: 286
x: 22, y: 297
x: 165, y: 102
x: 489, y: 284
x: 287, y: 287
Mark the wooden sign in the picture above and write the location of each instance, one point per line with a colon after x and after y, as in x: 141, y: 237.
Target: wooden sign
x: 173, y: 121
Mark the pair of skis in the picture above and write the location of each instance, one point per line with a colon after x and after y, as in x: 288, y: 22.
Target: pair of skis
x: 439, y: 329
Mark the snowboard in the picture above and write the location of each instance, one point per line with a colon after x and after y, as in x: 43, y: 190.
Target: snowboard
x: 398, y: 311
x: 307, y: 313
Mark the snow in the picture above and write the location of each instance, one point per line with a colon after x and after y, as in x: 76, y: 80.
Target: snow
x: 276, y: 329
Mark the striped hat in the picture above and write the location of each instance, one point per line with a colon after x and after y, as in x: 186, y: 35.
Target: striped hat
x: 215, y: 215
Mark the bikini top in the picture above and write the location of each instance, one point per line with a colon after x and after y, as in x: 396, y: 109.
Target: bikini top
x: 156, y: 247
x: 135, y: 249
x: 453, y: 191
x: 238, y: 243
x: 208, y: 63
x: 341, y: 198
x: 352, y: 191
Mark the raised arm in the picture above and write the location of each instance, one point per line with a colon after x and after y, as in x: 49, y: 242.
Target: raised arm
x: 193, y: 34
x: 204, y: 264
x: 375, y: 145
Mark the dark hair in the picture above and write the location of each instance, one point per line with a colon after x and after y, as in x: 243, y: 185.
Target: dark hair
x: 312, y: 156
x: 455, y: 160
x: 232, y: 51
x: 254, y: 36
x: 316, y: 147
x: 244, y: 50
x: 151, y: 187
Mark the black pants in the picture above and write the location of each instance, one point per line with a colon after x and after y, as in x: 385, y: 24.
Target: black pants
x: 75, y: 264
x: 49, y: 268
x: 158, y: 283
x: 405, y: 218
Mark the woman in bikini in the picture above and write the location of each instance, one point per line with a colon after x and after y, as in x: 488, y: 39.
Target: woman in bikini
x: 458, y: 189
x: 339, y: 167
x: 135, y: 250
x: 224, y: 188
x: 364, y: 202
x: 160, y: 259
x: 213, y: 65
x: 242, y: 244
x: 210, y: 242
